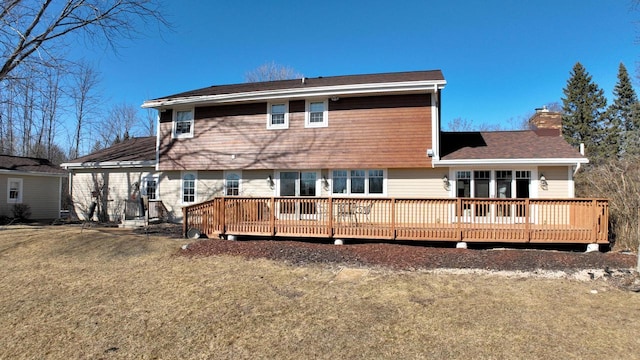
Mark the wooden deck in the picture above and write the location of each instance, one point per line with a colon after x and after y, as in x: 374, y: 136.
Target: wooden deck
x: 462, y: 219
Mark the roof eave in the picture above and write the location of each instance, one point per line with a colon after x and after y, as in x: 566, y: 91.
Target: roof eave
x: 32, y: 173
x: 109, y: 164
x: 530, y: 161
x: 320, y: 91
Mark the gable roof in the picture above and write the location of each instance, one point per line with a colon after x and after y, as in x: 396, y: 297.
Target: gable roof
x: 508, y: 146
x: 365, y: 83
x: 18, y: 164
x: 134, y: 151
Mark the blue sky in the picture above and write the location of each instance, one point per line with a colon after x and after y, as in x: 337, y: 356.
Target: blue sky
x: 501, y: 59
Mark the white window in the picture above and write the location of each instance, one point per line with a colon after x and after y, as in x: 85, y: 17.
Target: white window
x: 14, y: 191
x: 150, y: 187
x: 188, y: 187
x: 183, y: 123
x: 232, y: 184
x: 358, y: 182
x: 278, y: 115
x: 504, y: 184
x: 316, y: 114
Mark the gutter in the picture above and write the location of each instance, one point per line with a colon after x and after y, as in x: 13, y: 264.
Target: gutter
x: 532, y: 161
x: 109, y: 164
x: 407, y: 86
x: 32, y: 173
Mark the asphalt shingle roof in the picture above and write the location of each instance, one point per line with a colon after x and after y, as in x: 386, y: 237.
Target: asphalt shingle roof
x: 134, y: 149
x: 435, y: 75
x: 28, y: 164
x: 525, y: 144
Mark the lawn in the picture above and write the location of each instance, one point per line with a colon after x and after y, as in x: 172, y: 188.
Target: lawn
x: 72, y: 294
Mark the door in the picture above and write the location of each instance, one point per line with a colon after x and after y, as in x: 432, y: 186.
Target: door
x: 298, y: 184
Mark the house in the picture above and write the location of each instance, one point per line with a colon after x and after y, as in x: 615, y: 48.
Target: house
x: 32, y: 182
x: 374, y: 136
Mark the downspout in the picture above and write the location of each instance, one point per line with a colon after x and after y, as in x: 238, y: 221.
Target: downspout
x: 578, y: 164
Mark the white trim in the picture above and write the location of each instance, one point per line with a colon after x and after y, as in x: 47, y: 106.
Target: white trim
x: 157, y: 164
x: 17, y: 200
x: 307, y: 113
x: 195, y: 186
x: 143, y: 184
x: 572, y: 189
x: 494, y: 162
x: 276, y: 181
x: 320, y: 91
x: 32, y: 173
x: 174, y: 123
x: 435, y: 129
x: 224, y: 181
x: 385, y: 182
x: 110, y: 164
x: 270, y: 125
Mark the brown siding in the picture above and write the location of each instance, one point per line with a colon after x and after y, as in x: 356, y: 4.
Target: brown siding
x: 363, y: 132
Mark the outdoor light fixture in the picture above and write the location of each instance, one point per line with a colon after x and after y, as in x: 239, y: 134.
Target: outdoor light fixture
x: 335, y: 98
x: 325, y: 182
x: 445, y: 182
x: 270, y: 181
x: 543, y: 182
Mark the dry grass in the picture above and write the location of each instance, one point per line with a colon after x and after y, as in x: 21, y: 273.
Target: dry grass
x: 91, y: 295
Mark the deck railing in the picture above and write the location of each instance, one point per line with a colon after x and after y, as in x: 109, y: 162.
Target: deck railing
x: 459, y: 219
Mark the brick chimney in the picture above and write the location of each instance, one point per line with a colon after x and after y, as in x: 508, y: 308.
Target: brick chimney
x: 546, y: 123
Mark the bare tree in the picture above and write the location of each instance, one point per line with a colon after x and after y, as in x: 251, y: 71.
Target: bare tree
x: 150, y: 123
x: 30, y: 27
x: 270, y: 72
x: 85, y: 98
x: 122, y: 118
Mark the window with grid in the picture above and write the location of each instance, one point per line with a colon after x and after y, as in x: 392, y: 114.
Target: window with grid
x: 503, y: 183
x: 151, y: 188
x: 183, y: 124
x: 277, y: 117
x: 188, y: 188
x: 232, y: 184
x: 376, y: 181
x: 339, y: 182
x: 357, y: 181
x: 14, y: 191
x: 316, y: 115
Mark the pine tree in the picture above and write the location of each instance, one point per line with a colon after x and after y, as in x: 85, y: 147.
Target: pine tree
x: 623, y: 115
x: 584, y: 107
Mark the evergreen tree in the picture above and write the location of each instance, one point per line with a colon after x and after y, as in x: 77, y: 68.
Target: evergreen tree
x: 623, y: 115
x: 584, y: 106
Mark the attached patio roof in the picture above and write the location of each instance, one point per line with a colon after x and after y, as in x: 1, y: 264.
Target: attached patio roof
x: 507, y: 146
x: 130, y: 152
x: 17, y: 164
x: 367, y: 83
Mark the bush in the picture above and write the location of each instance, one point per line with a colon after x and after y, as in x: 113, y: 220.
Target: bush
x: 618, y: 181
x: 21, y: 212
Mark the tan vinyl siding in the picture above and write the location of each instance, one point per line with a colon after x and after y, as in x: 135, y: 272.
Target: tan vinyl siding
x: 416, y: 183
x: 41, y: 193
x: 254, y: 183
x: 558, y: 180
x: 120, y: 184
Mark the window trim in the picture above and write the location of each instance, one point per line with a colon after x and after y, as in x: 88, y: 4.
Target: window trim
x: 270, y: 125
x: 19, y: 199
x: 325, y: 113
x: 493, y: 181
x: 155, y: 178
x: 183, y: 174
x: 226, y: 174
x: 348, y: 193
x: 174, y: 122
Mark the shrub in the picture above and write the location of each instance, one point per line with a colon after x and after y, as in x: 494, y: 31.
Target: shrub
x: 21, y: 212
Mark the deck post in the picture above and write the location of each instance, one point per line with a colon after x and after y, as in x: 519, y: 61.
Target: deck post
x: 223, y: 220
x: 272, y: 217
x: 330, y: 229
x: 393, y: 218
x: 184, y: 222
x: 527, y: 221
x: 459, y: 216
x: 594, y: 219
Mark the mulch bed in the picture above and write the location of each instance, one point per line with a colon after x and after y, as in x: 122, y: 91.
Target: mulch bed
x: 412, y: 257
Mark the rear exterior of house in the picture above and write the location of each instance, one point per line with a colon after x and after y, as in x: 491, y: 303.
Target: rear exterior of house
x: 30, y: 182
x: 374, y: 136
